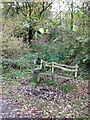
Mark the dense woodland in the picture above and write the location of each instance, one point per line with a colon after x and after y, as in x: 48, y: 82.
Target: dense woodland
x: 58, y: 34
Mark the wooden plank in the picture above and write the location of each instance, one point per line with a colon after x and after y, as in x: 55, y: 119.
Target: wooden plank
x: 76, y: 71
x: 65, y: 69
x: 52, y: 68
x: 63, y: 65
x: 55, y: 75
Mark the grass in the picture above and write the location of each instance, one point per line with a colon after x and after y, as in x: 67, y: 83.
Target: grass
x: 33, y: 84
x: 15, y: 73
x: 65, y: 87
x: 24, y: 73
x: 50, y: 82
x: 68, y: 87
x: 1, y: 78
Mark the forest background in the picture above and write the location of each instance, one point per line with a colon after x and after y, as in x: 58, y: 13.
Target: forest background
x: 56, y: 31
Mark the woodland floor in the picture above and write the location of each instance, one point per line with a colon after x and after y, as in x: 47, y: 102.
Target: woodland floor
x: 21, y: 100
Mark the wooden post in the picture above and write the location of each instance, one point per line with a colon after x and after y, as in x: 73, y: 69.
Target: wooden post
x: 76, y: 69
x: 52, y: 67
x: 36, y: 75
x: 52, y: 76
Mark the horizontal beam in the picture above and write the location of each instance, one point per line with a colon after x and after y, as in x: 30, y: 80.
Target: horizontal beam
x: 65, y: 69
x: 61, y: 65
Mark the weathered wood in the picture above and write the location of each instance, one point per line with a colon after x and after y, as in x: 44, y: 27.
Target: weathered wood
x: 36, y: 75
x: 55, y: 75
x: 52, y: 68
x: 65, y: 69
x: 53, y: 65
x: 76, y: 71
x: 48, y: 76
x: 62, y: 67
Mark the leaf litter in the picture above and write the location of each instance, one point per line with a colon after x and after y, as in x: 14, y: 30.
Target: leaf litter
x: 21, y: 100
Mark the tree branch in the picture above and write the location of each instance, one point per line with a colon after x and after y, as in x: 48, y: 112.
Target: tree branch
x: 21, y: 10
x: 8, y: 10
x: 44, y: 8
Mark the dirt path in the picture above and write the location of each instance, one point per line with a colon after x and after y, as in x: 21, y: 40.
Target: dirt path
x: 21, y: 100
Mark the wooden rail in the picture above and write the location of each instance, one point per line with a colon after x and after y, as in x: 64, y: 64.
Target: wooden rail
x: 63, y: 67
x: 53, y: 65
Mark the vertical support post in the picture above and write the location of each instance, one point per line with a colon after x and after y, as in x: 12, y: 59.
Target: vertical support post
x: 76, y: 69
x: 36, y: 75
x: 52, y: 70
x: 52, y: 67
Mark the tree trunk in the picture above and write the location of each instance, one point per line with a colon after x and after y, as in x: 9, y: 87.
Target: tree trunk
x: 72, y: 15
x: 88, y: 45
x: 83, y: 18
x: 30, y: 34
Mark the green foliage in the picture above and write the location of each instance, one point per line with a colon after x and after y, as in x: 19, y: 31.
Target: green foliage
x: 61, y: 44
x: 33, y: 84
x: 68, y: 87
x: 43, y: 26
x: 32, y: 23
x: 15, y: 74
x: 55, y: 56
x: 65, y: 87
x: 1, y: 78
x: 50, y: 82
x: 23, y: 27
x: 22, y: 62
x: 49, y: 53
x: 70, y: 47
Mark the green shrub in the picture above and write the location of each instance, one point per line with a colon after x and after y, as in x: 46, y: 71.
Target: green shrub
x: 68, y: 87
x: 51, y: 54
x: 17, y: 73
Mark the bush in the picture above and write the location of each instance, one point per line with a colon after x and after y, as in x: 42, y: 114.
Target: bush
x: 51, y: 54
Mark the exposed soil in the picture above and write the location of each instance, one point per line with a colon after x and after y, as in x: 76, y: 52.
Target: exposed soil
x: 21, y: 100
